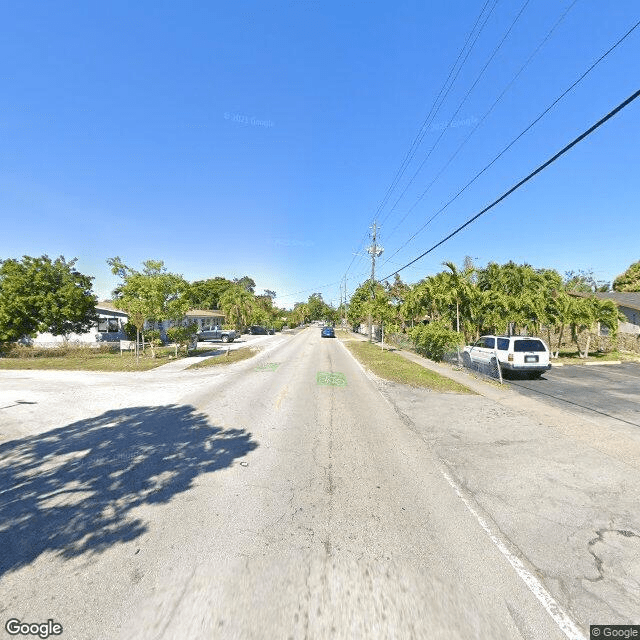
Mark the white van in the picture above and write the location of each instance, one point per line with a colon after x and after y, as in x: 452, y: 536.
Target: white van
x: 514, y: 353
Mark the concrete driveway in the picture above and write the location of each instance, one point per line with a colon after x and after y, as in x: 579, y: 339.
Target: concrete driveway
x: 605, y: 391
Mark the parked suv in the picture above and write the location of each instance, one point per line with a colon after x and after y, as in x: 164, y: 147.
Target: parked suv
x: 513, y: 353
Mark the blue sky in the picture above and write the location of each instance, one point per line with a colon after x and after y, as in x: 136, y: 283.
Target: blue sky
x: 259, y: 138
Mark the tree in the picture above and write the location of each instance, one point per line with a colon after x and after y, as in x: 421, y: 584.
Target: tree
x: 584, y: 313
x: 628, y: 281
x: 238, y: 305
x: 370, y: 300
x: 206, y: 294
x: 38, y: 294
x: 584, y: 281
x: 300, y: 313
x: 152, y: 295
x: 245, y: 283
x: 316, y: 307
x: 183, y: 335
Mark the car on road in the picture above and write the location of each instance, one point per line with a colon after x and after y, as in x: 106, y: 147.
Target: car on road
x: 256, y: 330
x: 514, y: 354
x: 214, y: 332
x: 328, y: 332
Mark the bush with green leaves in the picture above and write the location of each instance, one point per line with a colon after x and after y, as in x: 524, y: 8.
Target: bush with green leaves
x: 183, y: 335
x: 130, y: 330
x: 435, y: 339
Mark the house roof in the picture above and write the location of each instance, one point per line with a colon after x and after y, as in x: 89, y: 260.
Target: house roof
x: 107, y: 305
x: 204, y: 313
x: 631, y: 300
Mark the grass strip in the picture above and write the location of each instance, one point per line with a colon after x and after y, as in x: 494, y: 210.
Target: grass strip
x: 394, y: 367
x: 86, y: 360
x: 225, y: 358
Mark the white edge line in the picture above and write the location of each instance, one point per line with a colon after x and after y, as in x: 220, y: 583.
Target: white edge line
x: 556, y: 612
x: 563, y: 621
x: 367, y: 374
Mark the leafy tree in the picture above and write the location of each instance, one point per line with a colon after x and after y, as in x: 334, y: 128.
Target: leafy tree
x: 584, y: 282
x: 628, y: 281
x: 357, y: 312
x: 152, y: 295
x: 206, y: 294
x: 316, y: 307
x: 270, y: 293
x: 246, y: 283
x: 38, y: 294
x: 183, y: 335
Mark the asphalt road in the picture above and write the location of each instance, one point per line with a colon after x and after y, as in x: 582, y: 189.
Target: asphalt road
x: 293, y: 496
x: 609, y: 391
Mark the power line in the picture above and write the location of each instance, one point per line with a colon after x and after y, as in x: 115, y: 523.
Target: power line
x: 522, y: 133
x: 478, y: 78
x: 423, y: 128
x: 486, y: 115
x: 417, y: 141
x: 543, y: 166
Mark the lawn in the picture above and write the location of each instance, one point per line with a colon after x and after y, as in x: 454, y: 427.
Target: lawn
x: 226, y: 358
x: 90, y: 359
x: 394, y: 367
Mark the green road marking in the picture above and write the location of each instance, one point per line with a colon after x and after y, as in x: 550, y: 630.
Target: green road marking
x: 331, y: 379
x: 268, y: 366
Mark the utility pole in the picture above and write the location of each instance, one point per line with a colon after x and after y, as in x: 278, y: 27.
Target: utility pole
x: 375, y: 251
x: 344, y: 309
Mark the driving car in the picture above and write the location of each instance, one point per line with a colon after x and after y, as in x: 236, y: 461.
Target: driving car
x: 514, y: 354
x: 328, y: 332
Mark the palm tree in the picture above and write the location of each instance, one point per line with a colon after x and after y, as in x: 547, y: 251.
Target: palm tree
x: 237, y: 304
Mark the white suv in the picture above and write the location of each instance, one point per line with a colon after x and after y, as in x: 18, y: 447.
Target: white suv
x: 514, y: 353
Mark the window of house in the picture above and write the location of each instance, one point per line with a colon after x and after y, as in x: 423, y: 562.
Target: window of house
x: 108, y: 325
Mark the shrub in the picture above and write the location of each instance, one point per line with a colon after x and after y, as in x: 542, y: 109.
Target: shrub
x: 130, y: 329
x: 435, y: 339
x: 183, y: 335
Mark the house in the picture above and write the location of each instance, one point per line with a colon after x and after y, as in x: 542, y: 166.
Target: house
x: 628, y: 304
x: 110, y: 326
x: 202, y: 317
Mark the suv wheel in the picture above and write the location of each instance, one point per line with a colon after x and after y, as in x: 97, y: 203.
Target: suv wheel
x: 466, y: 360
x: 225, y: 338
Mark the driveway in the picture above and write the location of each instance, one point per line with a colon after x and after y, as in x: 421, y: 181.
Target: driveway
x: 610, y: 391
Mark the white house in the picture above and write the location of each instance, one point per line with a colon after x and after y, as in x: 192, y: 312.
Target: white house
x: 110, y: 326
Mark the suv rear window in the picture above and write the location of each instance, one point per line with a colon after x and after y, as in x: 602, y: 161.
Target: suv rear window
x: 528, y: 345
x: 503, y: 344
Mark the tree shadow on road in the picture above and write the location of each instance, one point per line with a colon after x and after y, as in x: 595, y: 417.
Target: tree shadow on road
x: 70, y: 490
